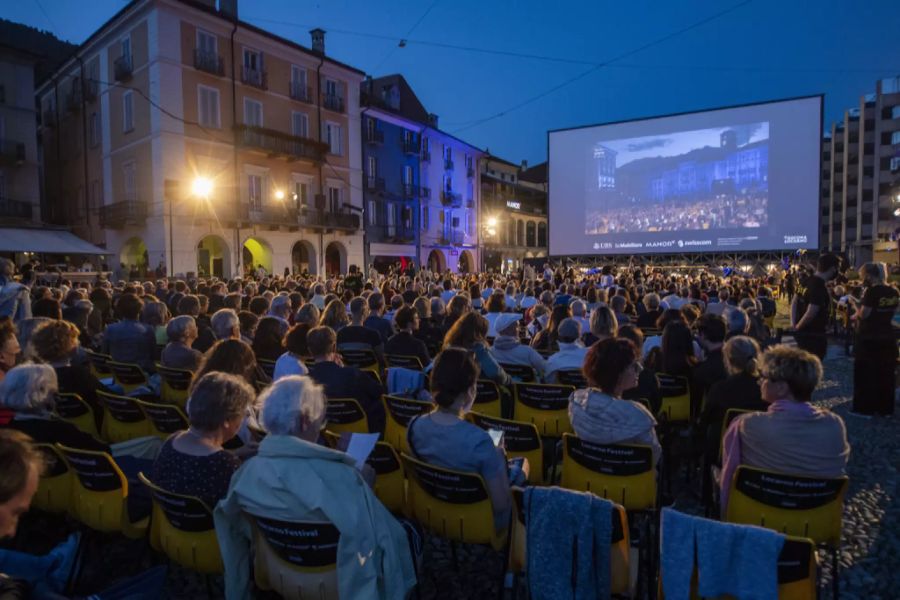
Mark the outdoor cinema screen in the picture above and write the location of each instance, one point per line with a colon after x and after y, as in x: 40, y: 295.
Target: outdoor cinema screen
x: 732, y: 179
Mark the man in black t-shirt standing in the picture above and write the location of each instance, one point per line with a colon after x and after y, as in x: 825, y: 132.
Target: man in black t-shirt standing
x: 876, y: 346
x: 812, y: 305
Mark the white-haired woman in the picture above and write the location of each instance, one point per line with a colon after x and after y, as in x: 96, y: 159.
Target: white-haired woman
x: 26, y: 401
x: 294, y: 479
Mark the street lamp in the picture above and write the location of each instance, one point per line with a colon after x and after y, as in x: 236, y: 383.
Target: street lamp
x: 202, y: 187
x: 279, y: 195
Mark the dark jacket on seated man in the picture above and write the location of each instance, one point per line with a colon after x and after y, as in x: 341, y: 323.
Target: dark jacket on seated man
x: 350, y: 382
x: 406, y: 344
x: 180, y: 356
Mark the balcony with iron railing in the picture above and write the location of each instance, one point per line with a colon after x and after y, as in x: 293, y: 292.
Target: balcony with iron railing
x: 317, y: 219
x: 392, y: 234
x: 120, y: 214
x: 257, y: 78
x: 300, y: 92
x: 15, y: 209
x: 333, y: 102
x: 278, y: 143
x: 455, y: 237
x: 451, y: 200
x: 209, y: 62
x: 275, y: 215
x: 374, y: 136
x: 123, y: 68
x: 374, y: 184
x: 408, y: 191
x: 409, y: 146
x: 12, y: 152
x: 448, y: 164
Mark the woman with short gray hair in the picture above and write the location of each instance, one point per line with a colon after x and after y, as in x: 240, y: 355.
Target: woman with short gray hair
x: 193, y: 462
x: 178, y: 353
x: 26, y: 400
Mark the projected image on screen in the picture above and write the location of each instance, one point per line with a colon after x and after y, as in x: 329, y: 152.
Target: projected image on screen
x: 703, y: 179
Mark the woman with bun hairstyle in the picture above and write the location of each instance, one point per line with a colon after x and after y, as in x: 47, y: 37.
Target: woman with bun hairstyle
x: 444, y: 438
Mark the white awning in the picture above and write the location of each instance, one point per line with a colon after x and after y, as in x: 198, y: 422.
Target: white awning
x: 49, y: 241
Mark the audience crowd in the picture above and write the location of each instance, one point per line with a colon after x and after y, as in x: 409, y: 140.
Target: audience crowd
x: 267, y: 354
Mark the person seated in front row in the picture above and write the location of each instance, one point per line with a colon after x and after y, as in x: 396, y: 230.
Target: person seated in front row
x: 445, y: 439
x: 599, y: 414
x: 792, y: 436
x: 509, y: 350
x: 294, y: 479
x: 179, y: 353
x: 193, y: 462
x: 571, y: 352
x: 339, y: 381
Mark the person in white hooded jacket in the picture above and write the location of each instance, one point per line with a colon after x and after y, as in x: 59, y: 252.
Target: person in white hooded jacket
x: 508, y: 350
x: 598, y: 413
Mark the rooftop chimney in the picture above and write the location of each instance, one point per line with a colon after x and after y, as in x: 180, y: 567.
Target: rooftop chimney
x: 318, y: 40
x: 229, y: 9
x: 433, y: 120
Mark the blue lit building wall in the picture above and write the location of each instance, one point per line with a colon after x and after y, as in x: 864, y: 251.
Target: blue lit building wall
x: 392, y: 207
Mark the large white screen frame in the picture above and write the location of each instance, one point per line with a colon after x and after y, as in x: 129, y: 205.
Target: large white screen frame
x: 743, y: 178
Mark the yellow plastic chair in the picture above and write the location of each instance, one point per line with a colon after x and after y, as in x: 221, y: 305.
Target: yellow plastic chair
x: 390, y: 483
x: 810, y: 507
x: 404, y: 362
x: 620, y: 543
x: 123, y: 418
x: 487, y: 398
x: 297, y: 560
x: 176, y: 384
x: 71, y: 408
x: 676, y: 398
x: 452, y: 504
x: 100, y: 493
x: 624, y: 474
x: 99, y: 364
x: 730, y: 415
x: 519, y: 440
x: 267, y: 366
x: 573, y: 377
x: 544, y: 404
x: 361, y: 358
x: 128, y: 375
x: 182, y: 528
x: 522, y: 373
x: 346, y: 415
x: 165, y: 419
x: 54, y: 493
x: 797, y: 568
x: 399, y: 412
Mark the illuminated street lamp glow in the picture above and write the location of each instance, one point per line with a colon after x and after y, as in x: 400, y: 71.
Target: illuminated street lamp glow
x: 202, y: 187
x: 279, y: 194
x: 492, y: 222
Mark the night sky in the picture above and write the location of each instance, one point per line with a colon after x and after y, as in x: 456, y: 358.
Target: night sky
x: 761, y: 50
